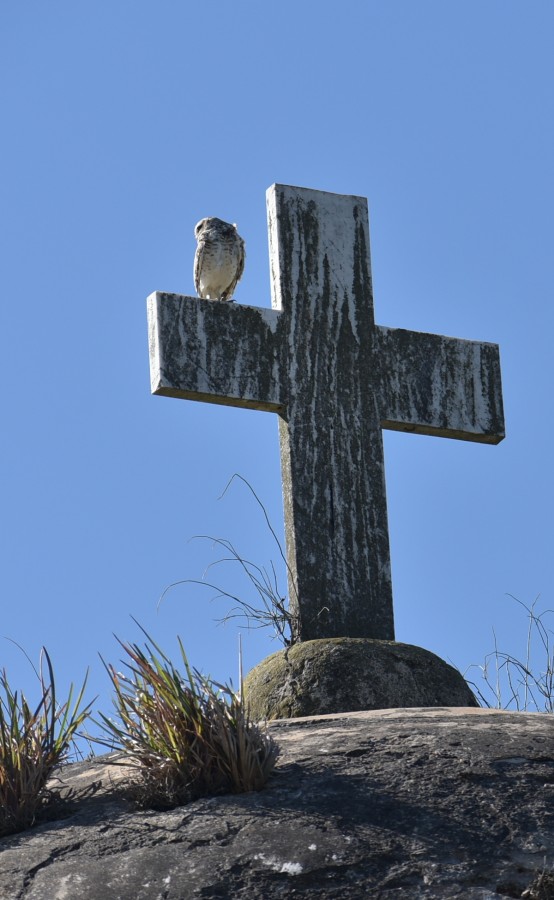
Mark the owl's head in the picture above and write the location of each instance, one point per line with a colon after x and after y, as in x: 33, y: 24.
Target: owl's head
x: 218, y: 226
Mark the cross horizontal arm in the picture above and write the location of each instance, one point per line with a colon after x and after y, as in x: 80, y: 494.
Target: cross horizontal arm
x: 215, y: 352
x: 440, y: 386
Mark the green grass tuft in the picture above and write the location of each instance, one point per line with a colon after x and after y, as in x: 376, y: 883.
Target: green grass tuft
x: 33, y: 742
x: 187, y: 736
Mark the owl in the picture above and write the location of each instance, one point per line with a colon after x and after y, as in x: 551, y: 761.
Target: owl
x: 219, y: 259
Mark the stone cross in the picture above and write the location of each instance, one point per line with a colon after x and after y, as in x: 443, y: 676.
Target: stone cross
x: 335, y: 379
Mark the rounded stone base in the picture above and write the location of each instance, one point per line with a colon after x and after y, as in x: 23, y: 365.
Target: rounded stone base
x: 337, y: 675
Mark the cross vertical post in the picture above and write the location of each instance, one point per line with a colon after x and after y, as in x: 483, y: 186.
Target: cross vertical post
x: 330, y: 435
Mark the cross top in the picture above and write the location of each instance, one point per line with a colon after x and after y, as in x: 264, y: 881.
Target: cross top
x: 335, y: 379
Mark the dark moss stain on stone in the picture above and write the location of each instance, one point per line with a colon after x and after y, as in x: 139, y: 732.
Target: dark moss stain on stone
x: 361, y: 284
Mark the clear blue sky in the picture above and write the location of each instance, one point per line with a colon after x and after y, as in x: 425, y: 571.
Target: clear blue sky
x: 125, y: 123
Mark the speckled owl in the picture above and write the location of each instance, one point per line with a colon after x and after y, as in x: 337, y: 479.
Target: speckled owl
x: 219, y: 259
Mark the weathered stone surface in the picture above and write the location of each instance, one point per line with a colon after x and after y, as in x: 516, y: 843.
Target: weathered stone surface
x: 350, y: 674
x: 336, y: 379
x: 444, y: 803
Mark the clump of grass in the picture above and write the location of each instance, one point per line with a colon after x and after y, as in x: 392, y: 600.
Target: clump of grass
x: 33, y: 742
x: 187, y: 736
x: 525, y: 684
x: 269, y: 608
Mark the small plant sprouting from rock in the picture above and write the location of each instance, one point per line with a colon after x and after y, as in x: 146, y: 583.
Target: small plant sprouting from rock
x: 269, y: 609
x: 542, y: 888
x: 187, y: 736
x: 34, y: 741
x: 512, y: 683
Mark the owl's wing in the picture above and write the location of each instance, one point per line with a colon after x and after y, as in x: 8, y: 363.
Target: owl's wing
x: 240, y: 266
x: 238, y: 274
x: 198, y: 260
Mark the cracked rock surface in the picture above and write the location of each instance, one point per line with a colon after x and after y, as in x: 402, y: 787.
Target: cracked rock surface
x: 422, y: 803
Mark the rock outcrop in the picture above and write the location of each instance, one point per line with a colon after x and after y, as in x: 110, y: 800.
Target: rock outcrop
x: 398, y: 803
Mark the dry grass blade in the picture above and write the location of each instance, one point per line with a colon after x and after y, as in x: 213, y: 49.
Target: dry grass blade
x: 187, y: 736
x: 33, y: 742
x: 269, y: 608
x: 512, y: 683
